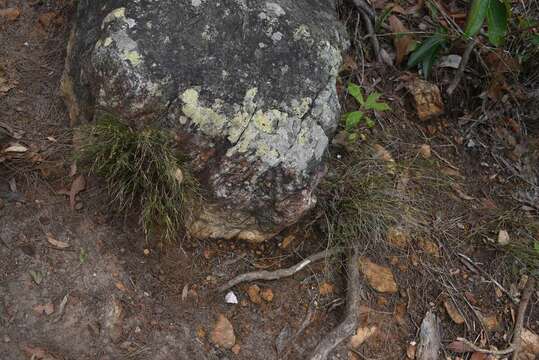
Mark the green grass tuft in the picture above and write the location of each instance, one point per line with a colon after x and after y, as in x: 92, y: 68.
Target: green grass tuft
x: 142, y: 171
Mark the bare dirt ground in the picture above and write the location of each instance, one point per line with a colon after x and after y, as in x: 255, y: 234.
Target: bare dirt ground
x: 84, y: 283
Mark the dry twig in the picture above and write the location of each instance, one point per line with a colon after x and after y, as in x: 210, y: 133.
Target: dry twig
x: 277, y: 274
x: 462, y: 66
x: 347, y: 327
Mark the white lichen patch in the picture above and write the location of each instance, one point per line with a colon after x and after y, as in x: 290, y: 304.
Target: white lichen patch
x: 274, y: 9
x: 302, y: 33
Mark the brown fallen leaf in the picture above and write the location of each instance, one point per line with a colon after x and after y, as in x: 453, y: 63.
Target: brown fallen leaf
x: 461, y: 193
x: 411, y: 350
x: 453, y: 313
x: 425, y: 151
x: 120, y: 286
x: 10, y: 14
x: 397, y: 236
x: 267, y: 295
x: 57, y: 243
x: 223, y: 333
x: 379, y: 277
x: 400, y: 313
x: 362, y: 334
x: 326, y: 288
x: 37, y: 353
x: 529, y: 346
x: 402, y: 39
x: 254, y: 294
x: 46, y: 309
x: 429, y: 247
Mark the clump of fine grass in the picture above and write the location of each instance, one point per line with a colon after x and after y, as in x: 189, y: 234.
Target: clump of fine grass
x: 361, y: 200
x: 142, y: 171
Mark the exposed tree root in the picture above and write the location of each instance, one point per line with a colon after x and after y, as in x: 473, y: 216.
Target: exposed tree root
x: 277, y: 274
x: 348, y: 326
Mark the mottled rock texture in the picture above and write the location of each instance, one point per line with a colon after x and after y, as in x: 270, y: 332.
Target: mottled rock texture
x: 248, y: 86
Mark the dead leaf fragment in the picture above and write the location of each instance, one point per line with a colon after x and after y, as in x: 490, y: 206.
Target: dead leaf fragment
x: 529, y: 346
x: 490, y: 322
x: 16, y: 148
x: 267, y: 295
x: 411, y: 350
x: 429, y: 247
x: 10, y: 14
x: 236, y: 349
x: 223, y: 333
x: 254, y: 294
x: 326, y: 288
x: 459, y: 347
x: 362, y: 334
x: 397, y: 236
x: 379, y: 277
x: 56, y: 243
x: 120, y: 286
x: 46, y: 309
x: 428, y: 99
x: 402, y: 39
x: 453, y: 313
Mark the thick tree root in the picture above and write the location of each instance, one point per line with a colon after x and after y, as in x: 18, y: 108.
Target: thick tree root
x: 348, y: 326
x: 277, y: 274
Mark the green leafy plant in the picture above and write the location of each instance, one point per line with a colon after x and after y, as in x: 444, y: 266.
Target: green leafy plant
x: 426, y: 54
x: 354, y: 118
x: 496, y: 12
x: 142, y: 171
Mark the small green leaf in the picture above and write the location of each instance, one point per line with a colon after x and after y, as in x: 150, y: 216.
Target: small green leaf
x: 476, y: 17
x: 425, y: 50
x: 497, y: 20
x: 373, y: 104
x: 83, y: 255
x: 36, y: 276
x: 536, y: 246
x: 353, y: 137
x: 355, y: 91
x: 353, y: 119
x: 428, y: 61
x: 369, y: 122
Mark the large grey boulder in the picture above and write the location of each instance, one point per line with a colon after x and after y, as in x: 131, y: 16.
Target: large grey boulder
x: 248, y: 86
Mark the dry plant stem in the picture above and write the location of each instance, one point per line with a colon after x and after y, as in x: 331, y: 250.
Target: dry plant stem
x: 277, y: 274
x: 462, y: 66
x: 372, y: 35
x: 364, y: 7
x: 517, y: 332
x: 429, y: 338
x: 348, y: 326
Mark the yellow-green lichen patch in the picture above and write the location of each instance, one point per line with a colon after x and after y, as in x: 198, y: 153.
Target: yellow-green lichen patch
x: 133, y: 56
x: 300, y: 108
x: 271, y: 156
x: 209, y: 121
x: 263, y: 122
x: 113, y: 15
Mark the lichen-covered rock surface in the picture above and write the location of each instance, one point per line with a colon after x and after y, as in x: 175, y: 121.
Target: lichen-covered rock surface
x: 248, y: 87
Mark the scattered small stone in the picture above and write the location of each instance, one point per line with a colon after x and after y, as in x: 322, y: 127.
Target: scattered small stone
x: 503, y: 238
x: 453, y: 312
x: 231, y: 298
x: 146, y: 252
x: 254, y: 294
x: 425, y: 151
x: 222, y: 334
x: 267, y: 295
x: 379, y: 277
